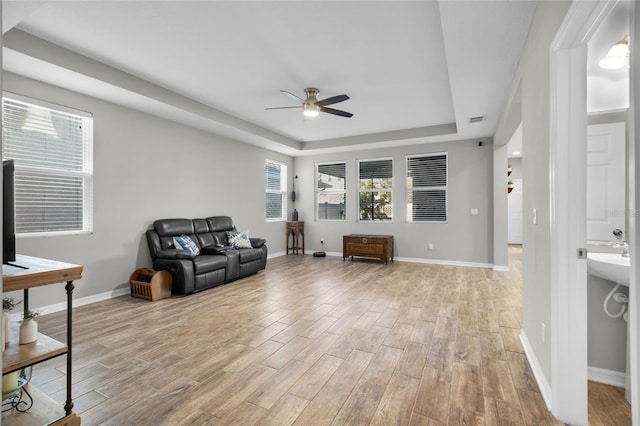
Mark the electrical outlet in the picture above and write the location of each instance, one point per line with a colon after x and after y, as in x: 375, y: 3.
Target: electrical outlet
x: 321, y: 240
x: 430, y: 246
x: 543, y: 331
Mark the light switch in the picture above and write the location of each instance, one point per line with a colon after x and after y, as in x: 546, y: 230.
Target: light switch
x: 535, y: 217
x: 474, y: 212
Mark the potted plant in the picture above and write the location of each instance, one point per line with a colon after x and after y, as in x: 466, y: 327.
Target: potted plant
x: 29, y: 327
x: 509, y: 186
x: 509, y: 169
x: 8, y: 304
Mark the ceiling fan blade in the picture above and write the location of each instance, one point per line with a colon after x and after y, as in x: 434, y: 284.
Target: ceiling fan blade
x: 283, y: 107
x: 336, y: 112
x: 332, y: 100
x: 292, y: 96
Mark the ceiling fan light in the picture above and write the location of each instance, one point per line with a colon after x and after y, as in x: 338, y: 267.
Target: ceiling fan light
x: 310, y: 110
x: 617, y: 55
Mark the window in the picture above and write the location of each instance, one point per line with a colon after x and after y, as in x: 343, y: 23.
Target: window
x: 427, y: 188
x: 375, y: 183
x: 331, y: 191
x: 52, y: 149
x: 276, y: 187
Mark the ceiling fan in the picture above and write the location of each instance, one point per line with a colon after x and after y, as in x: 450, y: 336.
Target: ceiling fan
x: 311, y: 106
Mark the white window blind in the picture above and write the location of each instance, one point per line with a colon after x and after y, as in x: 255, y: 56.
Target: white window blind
x: 375, y: 186
x: 427, y: 188
x: 52, y: 150
x: 331, y: 191
x: 276, y: 190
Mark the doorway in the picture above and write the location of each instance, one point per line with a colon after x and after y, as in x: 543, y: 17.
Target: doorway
x: 568, y: 224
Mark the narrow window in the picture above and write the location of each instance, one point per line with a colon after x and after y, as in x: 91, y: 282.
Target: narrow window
x: 276, y: 190
x: 375, y: 185
x: 52, y: 148
x: 331, y: 191
x: 427, y: 188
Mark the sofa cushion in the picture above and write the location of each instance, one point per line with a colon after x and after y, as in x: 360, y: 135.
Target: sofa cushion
x: 172, y: 227
x: 207, y: 263
x: 238, y: 239
x: 220, y: 223
x: 206, y: 239
x: 247, y: 255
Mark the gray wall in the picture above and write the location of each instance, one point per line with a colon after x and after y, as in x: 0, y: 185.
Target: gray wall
x: 464, y: 238
x: 535, y: 84
x: 607, y: 347
x: 147, y: 168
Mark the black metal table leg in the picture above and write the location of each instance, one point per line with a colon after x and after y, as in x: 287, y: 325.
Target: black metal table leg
x: 69, y: 403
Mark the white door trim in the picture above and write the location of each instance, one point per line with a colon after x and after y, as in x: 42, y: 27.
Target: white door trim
x: 634, y: 231
x: 567, y: 188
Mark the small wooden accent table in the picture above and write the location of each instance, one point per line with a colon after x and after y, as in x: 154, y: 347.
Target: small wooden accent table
x: 295, y: 230
x: 363, y: 245
x: 35, y: 272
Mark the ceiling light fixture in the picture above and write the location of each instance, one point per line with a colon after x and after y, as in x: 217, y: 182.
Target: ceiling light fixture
x: 617, y: 56
x: 310, y: 109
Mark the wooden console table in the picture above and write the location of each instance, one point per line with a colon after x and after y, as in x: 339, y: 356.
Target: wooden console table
x: 35, y: 272
x: 363, y: 245
x: 295, y: 232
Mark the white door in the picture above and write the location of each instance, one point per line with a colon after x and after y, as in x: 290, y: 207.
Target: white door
x: 606, y: 187
x: 514, y: 235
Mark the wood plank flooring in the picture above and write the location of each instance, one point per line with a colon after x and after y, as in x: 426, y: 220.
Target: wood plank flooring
x: 309, y: 341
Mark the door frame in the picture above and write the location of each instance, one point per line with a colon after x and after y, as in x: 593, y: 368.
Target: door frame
x: 634, y: 205
x: 567, y: 188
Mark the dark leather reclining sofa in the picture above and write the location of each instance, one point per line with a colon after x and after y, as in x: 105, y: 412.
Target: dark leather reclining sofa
x: 214, y: 265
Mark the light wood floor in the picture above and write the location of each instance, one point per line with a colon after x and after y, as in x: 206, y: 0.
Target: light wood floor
x: 309, y: 341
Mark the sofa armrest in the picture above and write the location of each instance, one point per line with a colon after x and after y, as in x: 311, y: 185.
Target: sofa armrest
x: 215, y: 249
x: 182, y: 272
x: 153, y: 240
x: 257, y: 242
x: 170, y: 254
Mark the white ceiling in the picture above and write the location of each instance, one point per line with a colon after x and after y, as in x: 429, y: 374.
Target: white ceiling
x: 416, y: 71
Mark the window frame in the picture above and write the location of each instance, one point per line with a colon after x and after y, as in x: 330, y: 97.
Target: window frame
x: 330, y: 191
x: 282, y: 191
x: 386, y: 190
x: 87, y: 172
x: 409, y: 189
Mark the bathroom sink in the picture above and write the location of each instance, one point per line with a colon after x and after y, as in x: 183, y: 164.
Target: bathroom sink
x: 610, y: 266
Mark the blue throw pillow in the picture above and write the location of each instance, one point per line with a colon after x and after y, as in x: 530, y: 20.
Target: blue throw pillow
x: 183, y: 242
x: 239, y: 239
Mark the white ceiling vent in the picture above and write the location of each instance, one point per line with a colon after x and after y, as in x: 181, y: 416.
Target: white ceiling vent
x: 476, y: 119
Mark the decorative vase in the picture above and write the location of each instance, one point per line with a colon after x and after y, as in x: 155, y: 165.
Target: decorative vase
x: 295, y: 215
x: 6, y: 327
x: 28, y: 331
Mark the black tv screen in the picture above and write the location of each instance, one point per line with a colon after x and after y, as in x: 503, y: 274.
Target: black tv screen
x: 8, y: 213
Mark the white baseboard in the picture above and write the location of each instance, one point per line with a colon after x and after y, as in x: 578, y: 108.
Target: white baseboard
x: 57, y: 307
x: 608, y: 377
x: 445, y: 262
x: 500, y: 268
x: 274, y: 255
x: 543, y: 384
x: 414, y: 260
